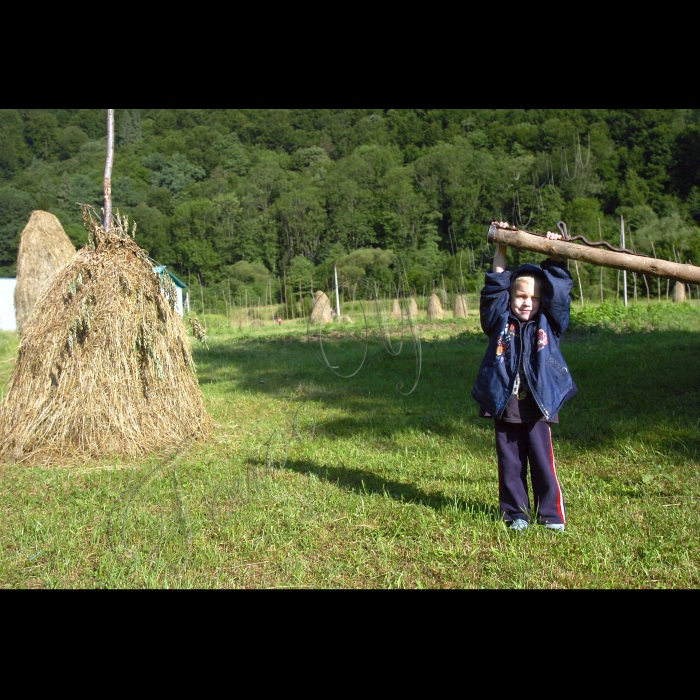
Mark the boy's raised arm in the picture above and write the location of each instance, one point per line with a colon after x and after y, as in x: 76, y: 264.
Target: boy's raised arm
x: 499, y: 259
x: 556, y: 298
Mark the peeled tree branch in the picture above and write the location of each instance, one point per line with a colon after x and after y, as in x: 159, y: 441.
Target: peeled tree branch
x: 108, y: 170
x: 524, y: 240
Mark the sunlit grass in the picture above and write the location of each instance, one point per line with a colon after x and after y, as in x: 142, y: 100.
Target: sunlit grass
x: 318, y: 479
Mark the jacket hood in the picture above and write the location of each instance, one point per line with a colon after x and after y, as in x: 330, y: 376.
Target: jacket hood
x: 528, y: 268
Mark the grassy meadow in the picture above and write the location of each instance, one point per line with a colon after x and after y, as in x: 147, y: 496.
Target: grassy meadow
x: 356, y: 459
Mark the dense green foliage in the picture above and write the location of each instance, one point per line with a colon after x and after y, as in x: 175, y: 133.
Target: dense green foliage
x: 242, y: 200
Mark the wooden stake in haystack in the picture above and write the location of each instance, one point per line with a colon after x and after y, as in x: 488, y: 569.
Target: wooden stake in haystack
x: 104, y: 366
x: 44, y: 247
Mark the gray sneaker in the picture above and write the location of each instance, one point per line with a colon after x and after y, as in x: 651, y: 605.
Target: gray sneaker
x: 519, y: 525
x: 554, y: 526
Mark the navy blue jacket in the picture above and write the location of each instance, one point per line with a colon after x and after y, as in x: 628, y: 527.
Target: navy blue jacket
x: 538, y: 339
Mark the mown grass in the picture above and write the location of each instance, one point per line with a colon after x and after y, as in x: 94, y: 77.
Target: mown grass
x: 318, y: 479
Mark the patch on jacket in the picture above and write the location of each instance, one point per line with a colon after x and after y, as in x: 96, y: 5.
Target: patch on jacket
x: 503, y: 342
x: 542, y: 339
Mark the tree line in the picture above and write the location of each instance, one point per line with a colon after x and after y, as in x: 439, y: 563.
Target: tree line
x: 232, y: 199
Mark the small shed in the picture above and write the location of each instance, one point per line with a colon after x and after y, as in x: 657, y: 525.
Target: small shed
x: 179, y: 286
x: 8, y: 320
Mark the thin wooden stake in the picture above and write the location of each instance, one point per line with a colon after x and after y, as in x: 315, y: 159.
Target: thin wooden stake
x: 622, y: 245
x: 108, y: 171
x: 580, y: 287
x: 658, y: 279
x: 600, y: 238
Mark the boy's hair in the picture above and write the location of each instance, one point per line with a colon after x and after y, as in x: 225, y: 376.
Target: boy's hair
x: 528, y: 276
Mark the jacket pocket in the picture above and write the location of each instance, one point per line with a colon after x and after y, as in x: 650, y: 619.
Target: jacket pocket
x: 557, y: 366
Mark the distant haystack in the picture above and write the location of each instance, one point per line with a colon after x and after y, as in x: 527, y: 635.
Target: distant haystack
x: 321, y: 311
x: 412, y: 308
x: 396, y: 309
x: 44, y: 247
x: 104, y: 366
x: 460, y: 308
x: 434, y: 307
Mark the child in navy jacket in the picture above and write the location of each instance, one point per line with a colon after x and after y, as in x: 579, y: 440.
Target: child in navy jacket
x: 524, y: 380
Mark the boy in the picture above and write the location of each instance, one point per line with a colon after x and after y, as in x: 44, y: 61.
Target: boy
x: 523, y: 382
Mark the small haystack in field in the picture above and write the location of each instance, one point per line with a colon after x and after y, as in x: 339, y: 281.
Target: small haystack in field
x: 412, y: 308
x: 321, y: 310
x: 104, y: 366
x: 395, y: 309
x: 679, y: 292
x: 434, y: 307
x: 460, y: 308
x: 44, y: 247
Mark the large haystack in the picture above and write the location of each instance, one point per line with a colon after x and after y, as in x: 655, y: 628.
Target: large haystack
x: 44, y: 247
x: 321, y: 311
x: 104, y: 366
x: 460, y: 308
x: 434, y: 307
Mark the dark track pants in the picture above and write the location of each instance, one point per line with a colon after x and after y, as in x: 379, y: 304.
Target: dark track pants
x: 518, y: 444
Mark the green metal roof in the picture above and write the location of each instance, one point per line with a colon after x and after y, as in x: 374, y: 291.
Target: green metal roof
x: 164, y: 268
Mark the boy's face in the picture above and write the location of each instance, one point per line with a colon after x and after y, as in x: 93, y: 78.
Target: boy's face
x: 525, y: 298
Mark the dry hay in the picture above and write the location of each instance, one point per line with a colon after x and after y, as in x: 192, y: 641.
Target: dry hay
x: 395, y: 309
x: 44, y: 247
x: 104, y: 366
x: 434, y: 307
x: 460, y: 308
x: 412, y: 308
x: 321, y: 310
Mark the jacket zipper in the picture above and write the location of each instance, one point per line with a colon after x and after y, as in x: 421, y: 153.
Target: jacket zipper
x: 545, y: 413
x: 511, y: 385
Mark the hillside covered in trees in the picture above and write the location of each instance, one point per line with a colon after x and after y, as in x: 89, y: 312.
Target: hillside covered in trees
x: 237, y: 200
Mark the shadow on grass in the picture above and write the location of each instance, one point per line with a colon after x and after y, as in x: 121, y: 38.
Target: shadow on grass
x: 644, y: 384
x: 362, y: 481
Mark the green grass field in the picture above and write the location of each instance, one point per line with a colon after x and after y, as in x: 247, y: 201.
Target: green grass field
x: 349, y: 464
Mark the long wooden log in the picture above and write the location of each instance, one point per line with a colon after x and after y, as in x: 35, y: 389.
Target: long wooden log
x: 596, y: 256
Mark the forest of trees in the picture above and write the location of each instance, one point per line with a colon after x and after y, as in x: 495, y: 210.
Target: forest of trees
x: 234, y: 200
